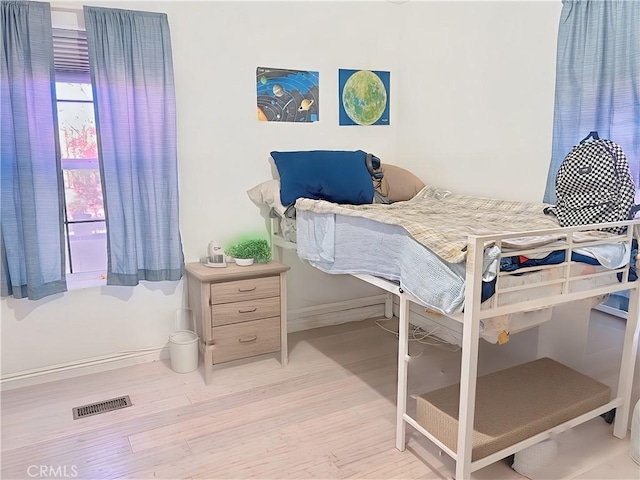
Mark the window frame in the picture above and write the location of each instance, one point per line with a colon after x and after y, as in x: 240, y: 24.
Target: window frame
x: 71, y: 65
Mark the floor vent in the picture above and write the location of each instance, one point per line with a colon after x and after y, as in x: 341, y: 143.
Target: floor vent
x: 101, y: 407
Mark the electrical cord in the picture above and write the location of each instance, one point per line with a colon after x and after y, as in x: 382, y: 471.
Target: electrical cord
x: 419, y: 335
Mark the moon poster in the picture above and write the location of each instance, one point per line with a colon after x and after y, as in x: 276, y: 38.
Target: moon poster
x: 364, y: 97
x: 287, y: 95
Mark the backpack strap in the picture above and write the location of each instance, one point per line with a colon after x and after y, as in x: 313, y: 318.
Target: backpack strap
x: 290, y: 211
x: 632, y: 213
x: 593, y: 134
x: 614, y: 159
x: 373, y: 166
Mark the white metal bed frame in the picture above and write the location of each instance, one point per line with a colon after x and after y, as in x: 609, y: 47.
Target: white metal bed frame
x: 473, y: 314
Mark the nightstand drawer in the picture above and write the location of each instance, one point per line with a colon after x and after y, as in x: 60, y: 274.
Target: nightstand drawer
x: 246, y: 339
x: 226, y: 313
x: 248, y: 289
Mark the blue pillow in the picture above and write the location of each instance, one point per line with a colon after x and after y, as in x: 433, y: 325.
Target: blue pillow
x: 335, y: 176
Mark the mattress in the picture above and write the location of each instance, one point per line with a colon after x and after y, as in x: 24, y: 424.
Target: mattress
x: 512, y: 405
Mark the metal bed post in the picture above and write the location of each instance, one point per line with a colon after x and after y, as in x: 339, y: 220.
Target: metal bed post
x: 273, y: 231
x: 629, y: 352
x: 388, y: 305
x: 403, y: 371
x: 469, y: 367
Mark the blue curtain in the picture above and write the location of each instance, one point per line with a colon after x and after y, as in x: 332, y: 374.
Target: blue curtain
x: 132, y: 75
x: 32, y: 247
x: 597, y: 80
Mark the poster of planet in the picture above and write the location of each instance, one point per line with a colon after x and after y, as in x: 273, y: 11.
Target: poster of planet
x: 287, y: 95
x: 363, y: 97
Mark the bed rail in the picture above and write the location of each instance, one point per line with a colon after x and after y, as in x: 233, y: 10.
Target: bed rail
x: 566, y: 281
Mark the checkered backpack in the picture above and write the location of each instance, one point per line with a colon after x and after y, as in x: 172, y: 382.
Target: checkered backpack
x: 594, y: 185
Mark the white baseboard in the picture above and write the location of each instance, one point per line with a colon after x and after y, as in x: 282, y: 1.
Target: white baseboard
x: 81, y: 367
x: 335, y: 318
x: 335, y: 313
x: 300, y: 319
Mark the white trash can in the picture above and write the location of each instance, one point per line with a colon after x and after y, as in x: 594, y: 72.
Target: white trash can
x: 183, y: 350
x: 528, y: 460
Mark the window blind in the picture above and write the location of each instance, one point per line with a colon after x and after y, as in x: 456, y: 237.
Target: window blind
x: 70, y: 53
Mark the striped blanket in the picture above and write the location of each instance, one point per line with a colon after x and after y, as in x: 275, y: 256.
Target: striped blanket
x: 441, y: 220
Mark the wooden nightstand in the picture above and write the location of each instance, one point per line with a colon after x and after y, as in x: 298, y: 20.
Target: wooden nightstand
x: 239, y: 311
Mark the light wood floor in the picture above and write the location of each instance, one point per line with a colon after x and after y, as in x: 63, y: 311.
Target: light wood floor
x: 329, y: 414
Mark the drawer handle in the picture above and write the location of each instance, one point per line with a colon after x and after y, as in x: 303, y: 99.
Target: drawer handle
x: 246, y: 289
x: 248, y: 311
x: 250, y: 339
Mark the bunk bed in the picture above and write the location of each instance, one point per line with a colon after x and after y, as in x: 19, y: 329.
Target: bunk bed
x: 447, y: 416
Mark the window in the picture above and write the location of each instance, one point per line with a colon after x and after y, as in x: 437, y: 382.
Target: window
x: 139, y: 177
x: 84, y: 219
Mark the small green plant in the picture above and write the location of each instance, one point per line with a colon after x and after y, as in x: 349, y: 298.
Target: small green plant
x: 255, y: 248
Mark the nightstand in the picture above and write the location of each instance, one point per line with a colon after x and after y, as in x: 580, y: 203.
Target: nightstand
x: 239, y: 312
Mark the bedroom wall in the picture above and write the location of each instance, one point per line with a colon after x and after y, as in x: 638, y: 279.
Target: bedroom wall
x: 471, y: 86
x: 477, y: 96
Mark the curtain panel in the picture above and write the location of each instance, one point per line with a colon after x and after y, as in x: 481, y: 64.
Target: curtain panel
x: 597, y: 85
x: 134, y: 97
x: 31, y: 211
x: 597, y: 80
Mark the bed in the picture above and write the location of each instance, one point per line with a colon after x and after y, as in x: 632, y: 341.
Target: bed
x: 476, y: 288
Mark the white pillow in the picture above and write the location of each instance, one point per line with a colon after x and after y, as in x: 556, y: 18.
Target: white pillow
x: 267, y: 193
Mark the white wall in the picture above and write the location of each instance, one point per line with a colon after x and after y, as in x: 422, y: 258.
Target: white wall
x: 471, y: 93
x: 476, y: 95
